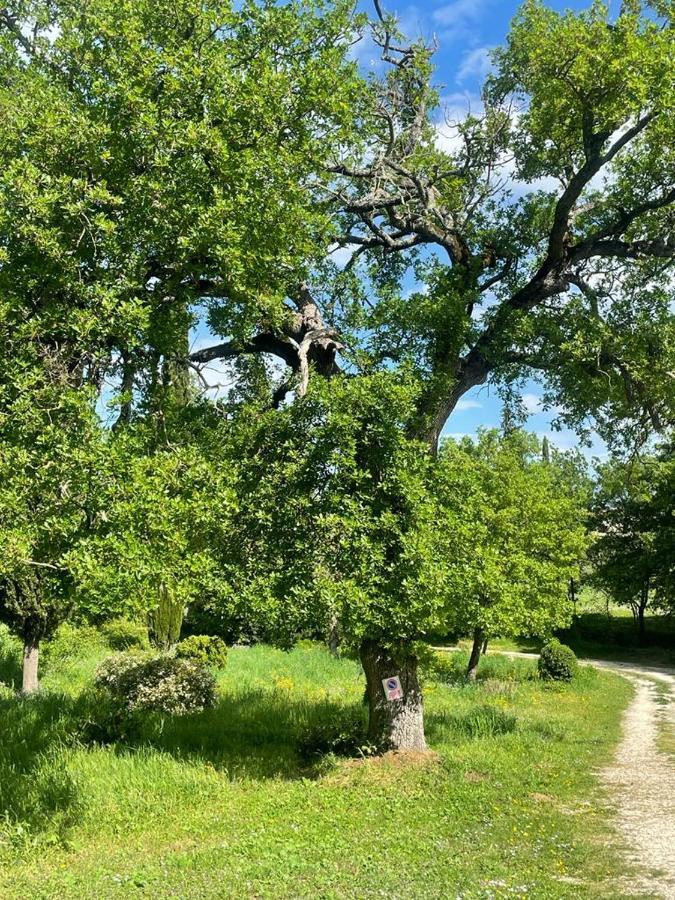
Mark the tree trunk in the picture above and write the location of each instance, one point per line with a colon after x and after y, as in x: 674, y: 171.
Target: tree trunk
x: 474, y: 659
x: 31, y: 650
x: 393, y: 724
x: 644, y: 600
x: 485, y: 646
x: 333, y: 635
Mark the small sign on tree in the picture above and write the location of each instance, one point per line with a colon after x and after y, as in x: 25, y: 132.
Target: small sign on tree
x: 392, y: 688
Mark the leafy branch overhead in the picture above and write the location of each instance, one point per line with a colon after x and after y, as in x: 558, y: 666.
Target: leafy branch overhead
x: 542, y: 239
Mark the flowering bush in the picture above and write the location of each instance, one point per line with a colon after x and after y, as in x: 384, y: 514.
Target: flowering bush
x: 205, y: 649
x: 163, y: 683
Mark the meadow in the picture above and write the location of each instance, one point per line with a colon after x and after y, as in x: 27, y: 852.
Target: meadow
x: 249, y: 800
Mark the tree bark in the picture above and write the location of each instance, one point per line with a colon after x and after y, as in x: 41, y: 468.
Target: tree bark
x: 393, y: 724
x: 474, y: 659
x: 642, y: 606
x: 485, y: 646
x: 31, y: 650
x: 333, y: 635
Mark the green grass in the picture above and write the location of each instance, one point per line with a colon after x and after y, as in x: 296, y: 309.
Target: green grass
x: 222, y: 805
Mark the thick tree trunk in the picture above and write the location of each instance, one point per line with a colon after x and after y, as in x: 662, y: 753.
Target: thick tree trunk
x: 393, y: 724
x: 474, y: 659
x: 31, y: 650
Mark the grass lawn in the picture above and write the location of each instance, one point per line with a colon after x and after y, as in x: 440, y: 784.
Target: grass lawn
x: 221, y: 804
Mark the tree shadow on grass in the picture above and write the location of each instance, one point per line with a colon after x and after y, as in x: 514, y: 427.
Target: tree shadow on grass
x: 249, y: 735
x: 38, y: 794
x: 256, y: 734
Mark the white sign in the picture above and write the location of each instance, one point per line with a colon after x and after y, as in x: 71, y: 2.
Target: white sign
x: 392, y: 688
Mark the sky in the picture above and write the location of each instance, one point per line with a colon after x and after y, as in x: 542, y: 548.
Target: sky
x: 465, y: 31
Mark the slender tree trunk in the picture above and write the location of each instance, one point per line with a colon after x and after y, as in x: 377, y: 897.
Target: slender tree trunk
x: 485, y: 646
x: 333, y: 635
x: 393, y: 724
x: 31, y: 651
x: 641, y: 625
x: 474, y: 659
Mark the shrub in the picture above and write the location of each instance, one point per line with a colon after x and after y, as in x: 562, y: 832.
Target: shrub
x: 165, y: 621
x: 124, y: 634
x: 557, y: 662
x: 163, y: 684
x: 71, y: 642
x: 345, y: 736
x: 208, y: 650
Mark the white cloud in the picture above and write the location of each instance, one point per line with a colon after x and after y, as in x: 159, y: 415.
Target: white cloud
x: 476, y: 63
x: 456, y: 435
x: 463, y: 405
x: 532, y: 403
x: 455, y: 108
x: 460, y: 15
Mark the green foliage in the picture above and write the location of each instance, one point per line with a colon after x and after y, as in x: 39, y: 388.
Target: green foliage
x: 633, y: 514
x: 51, y: 452
x: 160, y: 684
x: 208, y: 650
x: 518, y: 523
x: 557, y: 662
x: 125, y: 634
x: 71, y: 642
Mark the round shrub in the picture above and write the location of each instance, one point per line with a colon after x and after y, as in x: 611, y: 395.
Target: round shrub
x: 557, y: 662
x: 206, y: 649
x: 161, y: 684
x: 123, y: 634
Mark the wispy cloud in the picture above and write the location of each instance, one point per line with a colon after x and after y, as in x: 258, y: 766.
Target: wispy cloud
x: 461, y: 18
x: 531, y: 402
x: 475, y: 64
x: 463, y: 405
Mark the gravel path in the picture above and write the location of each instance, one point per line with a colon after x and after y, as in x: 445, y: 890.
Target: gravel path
x: 642, y: 783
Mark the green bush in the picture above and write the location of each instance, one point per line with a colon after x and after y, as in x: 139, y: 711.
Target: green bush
x: 345, y: 736
x: 557, y: 662
x: 125, y: 634
x: 162, y: 684
x: 71, y: 642
x: 208, y: 650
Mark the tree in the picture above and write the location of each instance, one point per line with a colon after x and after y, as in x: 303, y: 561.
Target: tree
x: 633, y: 556
x: 185, y: 118
x: 165, y: 510
x: 50, y: 457
x: 528, y: 536
x: 565, y: 282
x: 154, y: 157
